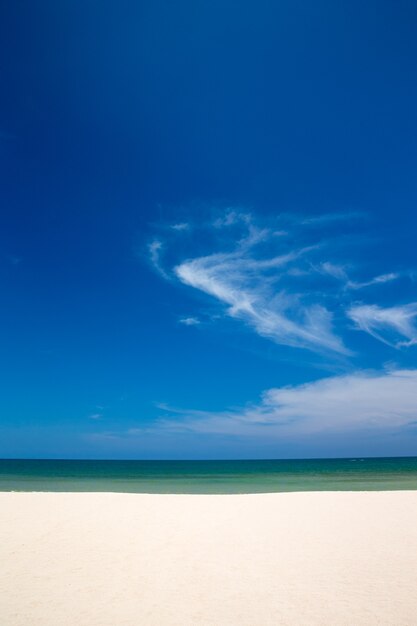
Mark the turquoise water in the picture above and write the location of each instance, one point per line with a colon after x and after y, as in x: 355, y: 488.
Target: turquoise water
x: 210, y: 476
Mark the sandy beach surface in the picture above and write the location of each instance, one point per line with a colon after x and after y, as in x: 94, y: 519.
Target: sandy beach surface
x: 130, y: 559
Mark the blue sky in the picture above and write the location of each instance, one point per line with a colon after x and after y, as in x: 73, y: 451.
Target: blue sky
x: 207, y: 229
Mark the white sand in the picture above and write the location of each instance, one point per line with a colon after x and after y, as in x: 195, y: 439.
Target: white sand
x: 256, y: 560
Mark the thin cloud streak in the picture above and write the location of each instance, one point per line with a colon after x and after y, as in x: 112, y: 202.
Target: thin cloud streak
x: 181, y: 226
x: 189, y: 321
x: 385, y: 324
x: 333, y: 217
x: 339, y: 272
x: 155, y: 248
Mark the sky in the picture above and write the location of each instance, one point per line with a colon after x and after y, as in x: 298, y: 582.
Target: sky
x: 207, y: 229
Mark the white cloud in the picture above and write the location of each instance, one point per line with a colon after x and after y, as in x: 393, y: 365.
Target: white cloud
x: 386, y: 324
x: 339, y: 272
x: 340, y: 404
x: 333, y: 270
x: 232, y: 217
x: 378, y: 280
x: 155, y: 248
x: 272, y: 293
x: 189, y: 321
x: 95, y: 416
x: 181, y: 226
x: 246, y: 285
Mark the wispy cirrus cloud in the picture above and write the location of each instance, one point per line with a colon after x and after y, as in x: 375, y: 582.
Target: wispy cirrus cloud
x: 386, y: 324
x: 155, y: 250
x: 231, y: 217
x: 377, y: 280
x: 340, y: 273
x: 241, y: 284
x: 272, y: 284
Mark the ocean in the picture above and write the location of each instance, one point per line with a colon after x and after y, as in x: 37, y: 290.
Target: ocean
x: 205, y: 477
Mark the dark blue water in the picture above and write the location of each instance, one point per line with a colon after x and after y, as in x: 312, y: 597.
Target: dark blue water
x: 210, y: 476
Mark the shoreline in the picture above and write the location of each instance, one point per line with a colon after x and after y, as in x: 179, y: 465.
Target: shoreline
x: 214, y: 477
x: 210, y: 495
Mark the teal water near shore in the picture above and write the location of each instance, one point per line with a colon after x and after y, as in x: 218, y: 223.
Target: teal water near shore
x: 204, y: 477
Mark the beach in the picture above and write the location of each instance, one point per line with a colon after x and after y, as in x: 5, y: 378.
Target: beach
x: 98, y: 559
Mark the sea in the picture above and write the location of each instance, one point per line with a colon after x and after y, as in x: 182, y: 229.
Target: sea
x: 209, y: 477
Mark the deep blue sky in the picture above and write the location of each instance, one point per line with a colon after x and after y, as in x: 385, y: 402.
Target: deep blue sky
x: 207, y: 228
